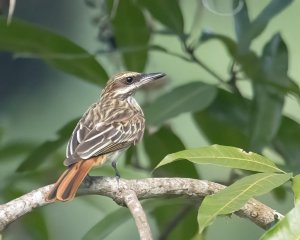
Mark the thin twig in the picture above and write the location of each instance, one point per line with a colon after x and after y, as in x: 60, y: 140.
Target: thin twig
x: 195, y: 59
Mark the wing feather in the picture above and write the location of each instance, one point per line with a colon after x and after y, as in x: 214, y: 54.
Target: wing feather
x: 105, y: 137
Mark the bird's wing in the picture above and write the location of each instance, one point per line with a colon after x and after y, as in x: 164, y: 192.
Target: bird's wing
x: 80, y: 132
x: 109, y: 137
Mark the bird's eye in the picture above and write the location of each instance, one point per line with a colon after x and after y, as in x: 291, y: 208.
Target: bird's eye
x: 129, y: 80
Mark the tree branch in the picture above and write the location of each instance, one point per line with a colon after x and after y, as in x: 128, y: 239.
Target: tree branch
x: 126, y: 192
x: 138, y: 214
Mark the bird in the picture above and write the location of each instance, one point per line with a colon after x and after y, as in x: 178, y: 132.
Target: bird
x: 106, y: 129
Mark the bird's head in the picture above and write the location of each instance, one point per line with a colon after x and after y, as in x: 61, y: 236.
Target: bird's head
x: 125, y: 84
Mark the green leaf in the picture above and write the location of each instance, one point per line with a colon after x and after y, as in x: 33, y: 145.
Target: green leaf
x: 131, y: 32
x: 176, y: 221
x: 260, y: 23
x: 167, y: 12
x: 108, y: 224
x: 224, y: 156
x: 287, y: 228
x: 38, y: 156
x: 24, y: 38
x: 1, y: 133
x: 228, y: 114
x: 190, y: 97
x: 268, y: 101
x: 230, y: 44
x: 165, y: 141
x: 236, y: 195
x: 114, y: 219
x: 36, y: 225
x: 296, y: 188
x: 251, y: 65
x: 241, y: 19
x: 14, y: 149
x: 287, y: 143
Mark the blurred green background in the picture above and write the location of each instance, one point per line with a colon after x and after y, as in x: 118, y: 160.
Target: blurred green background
x: 37, y: 99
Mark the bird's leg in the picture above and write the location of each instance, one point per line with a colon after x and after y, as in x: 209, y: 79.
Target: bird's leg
x: 114, y: 165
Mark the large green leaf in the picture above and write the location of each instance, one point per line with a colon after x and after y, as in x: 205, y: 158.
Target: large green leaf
x: 131, y: 33
x: 158, y: 145
x: 38, y: 155
x: 167, y: 12
x: 190, y: 97
x: 224, y: 156
x: 296, y: 189
x: 229, y: 115
x: 26, y: 38
x: 287, y: 228
x: 258, y: 25
x: 14, y: 149
x: 268, y: 101
x: 236, y: 195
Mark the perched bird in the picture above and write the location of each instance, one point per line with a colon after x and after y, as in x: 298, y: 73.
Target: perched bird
x: 109, y: 127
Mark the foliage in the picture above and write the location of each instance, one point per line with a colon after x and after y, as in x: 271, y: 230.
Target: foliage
x: 222, y: 112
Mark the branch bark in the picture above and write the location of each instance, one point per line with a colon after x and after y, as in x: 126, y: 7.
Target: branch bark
x: 126, y: 192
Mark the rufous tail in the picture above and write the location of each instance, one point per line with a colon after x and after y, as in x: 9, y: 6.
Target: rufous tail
x: 67, y: 185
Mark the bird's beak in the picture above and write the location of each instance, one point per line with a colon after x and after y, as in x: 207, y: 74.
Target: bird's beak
x: 149, y: 77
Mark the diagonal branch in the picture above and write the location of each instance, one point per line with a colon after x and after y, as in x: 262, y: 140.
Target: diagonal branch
x: 135, y: 207
x: 254, y: 210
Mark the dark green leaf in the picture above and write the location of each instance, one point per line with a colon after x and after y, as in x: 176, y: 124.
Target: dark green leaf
x: 167, y: 12
x: 176, y: 221
x: 236, y: 195
x: 108, y: 224
x: 280, y: 193
x: 268, y: 101
x: 14, y: 149
x: 131, y: 32
x: 287, y: 228
x: 260, y: 23
x: 287, y: 143
x: 36, y: 225
x: 39, y: 155
x: 25, y: 38
x: 229, y: 115
x: 161, y: 143
x: 190, y: 97
x: 224, y: 156
x: 296, y: 188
